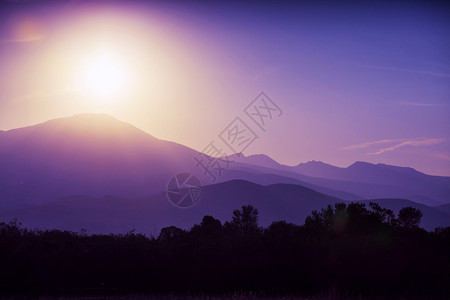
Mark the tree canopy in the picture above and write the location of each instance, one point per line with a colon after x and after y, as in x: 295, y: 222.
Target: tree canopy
x: 350, y: 248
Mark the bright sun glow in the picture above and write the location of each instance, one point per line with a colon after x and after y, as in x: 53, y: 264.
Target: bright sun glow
x: 104, y: 77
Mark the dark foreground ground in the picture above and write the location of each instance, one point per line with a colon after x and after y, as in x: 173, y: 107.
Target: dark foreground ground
x: 356, y: 252
x: 233, y: 296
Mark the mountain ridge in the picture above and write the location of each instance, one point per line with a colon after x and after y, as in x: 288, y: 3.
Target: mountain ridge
x: 275, y: 202
x: 97, y: 154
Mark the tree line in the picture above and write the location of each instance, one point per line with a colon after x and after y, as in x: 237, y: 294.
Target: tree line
x: 350, y: 248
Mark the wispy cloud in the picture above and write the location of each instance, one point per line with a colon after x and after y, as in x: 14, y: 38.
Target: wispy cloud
x: 395, y: 144
x: 414, y: 143
x: 368, y: 144
x: 25, y: 39
x: 423, y: 72
x: 443, y: 156
x: 424, y: 104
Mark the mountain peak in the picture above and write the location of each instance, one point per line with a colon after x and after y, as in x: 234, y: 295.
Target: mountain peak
x: 100, y: 133
x: 262, y: 157
x: 380, y: 166
x: 262, y: 160
x: 316, y: 169
x: 403, y: 170
x: 91, y: 125
x: 314, y: 163
x: 86, y: 117
x: 360, y: 164
x: 93, y: 115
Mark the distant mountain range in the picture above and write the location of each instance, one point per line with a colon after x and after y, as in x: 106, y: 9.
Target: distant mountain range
x: 361, y: 180
x: 44, y: 167
x: 148, y: 215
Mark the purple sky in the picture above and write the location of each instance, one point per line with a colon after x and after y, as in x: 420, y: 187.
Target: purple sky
x: 355, y: 82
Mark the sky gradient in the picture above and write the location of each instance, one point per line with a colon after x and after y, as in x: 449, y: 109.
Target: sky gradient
x: 356, y: 82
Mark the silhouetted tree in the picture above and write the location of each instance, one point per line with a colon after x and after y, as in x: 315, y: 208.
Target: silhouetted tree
x: 354, y: 217
x: 384, y: 215
x: 346, y: 247
x: 208, y: 226
x: 244, y: 221
x: 170, y: 232
x: 409, y: 217
x: 322, y: 220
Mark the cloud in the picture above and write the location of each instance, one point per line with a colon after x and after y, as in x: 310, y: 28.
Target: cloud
x: 414, y: 143
x: 424, y: 104
x: 368, y: 144
x: 24, y: 29
x: 430, y: 73
x: 27, y: 39
x: 19, y: 1
x: 443, y: 156
x: 395, y: 144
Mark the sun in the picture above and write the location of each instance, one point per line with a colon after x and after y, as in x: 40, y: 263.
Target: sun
x: 104, y: 76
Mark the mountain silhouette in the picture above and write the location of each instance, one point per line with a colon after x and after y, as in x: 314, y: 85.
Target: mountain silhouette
x: 43, y: 167
x: 444, y: 208
x: 261, y: 160
x: 365, y: 180
x: 87, y: 154
x: 148, y: 215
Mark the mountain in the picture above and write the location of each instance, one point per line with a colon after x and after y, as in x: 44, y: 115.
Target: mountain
x: 371, y: 173
x: 414, y: 185
x: 149, y: 214
x: 444, y: 208
x: 366, y: 180
x: 110, y: 214
x: 85, y: 154
x: 97, y: 155
x: 319, y: 169
x: 261, y: 160
x: 267, y: 177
